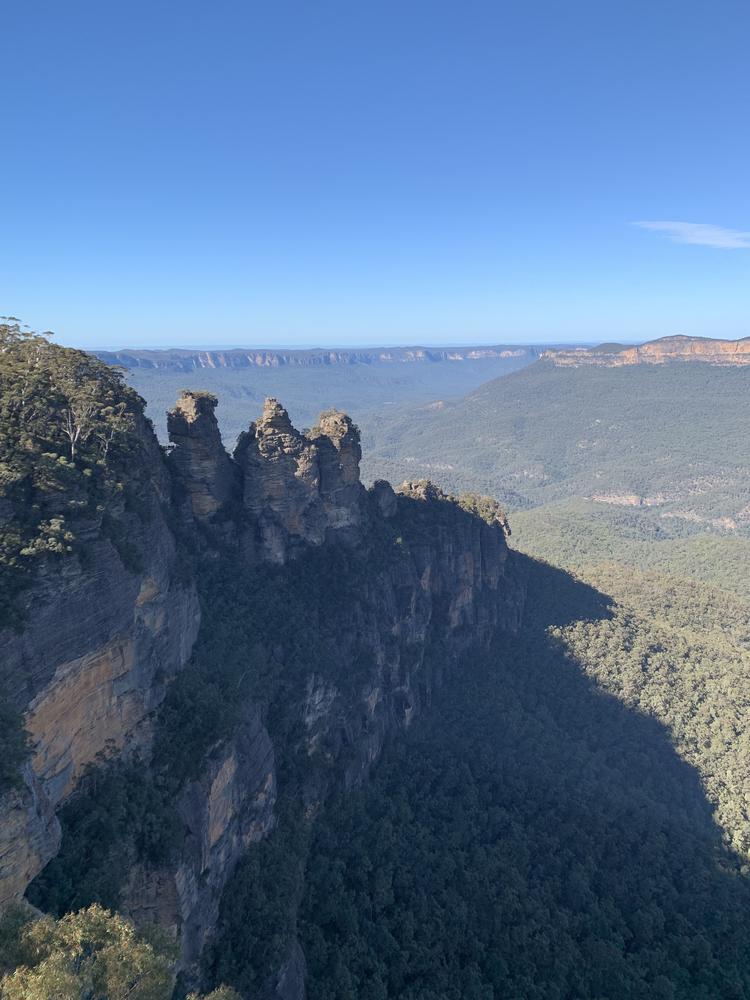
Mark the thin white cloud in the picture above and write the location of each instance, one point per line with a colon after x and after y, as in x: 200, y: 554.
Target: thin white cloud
x: 700, y: 234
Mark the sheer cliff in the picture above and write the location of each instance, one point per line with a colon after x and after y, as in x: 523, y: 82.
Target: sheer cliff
x: 186, y: 360
x: 656, y: 352
x: 99, y: 612
x: 211, y: 641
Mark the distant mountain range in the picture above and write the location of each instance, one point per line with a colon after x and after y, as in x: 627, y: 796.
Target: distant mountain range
x: 610, y: 355
x: 179, y: 359
x: 654, y: 352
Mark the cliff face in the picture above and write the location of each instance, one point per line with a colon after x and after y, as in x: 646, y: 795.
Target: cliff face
x: 446, y: 589
x: 100, y: 642
x: 29, y: 836
x: 293, y: 490
x: 199, y: 456
x: 182, y: 360
x: 704, y: 349
x: 299, y: 490
x: 416, y: 582
x: 224, y: 811
x: 421, y: 581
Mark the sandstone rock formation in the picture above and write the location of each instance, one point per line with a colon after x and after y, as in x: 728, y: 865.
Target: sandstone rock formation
x: 429, y: 580
x: 296, y: 490
x: 680, y: 348
x: 182, y: 360
x: 29, y: 836
x: 100, y: 643
x: 224, y: 811
x: 199, y: 458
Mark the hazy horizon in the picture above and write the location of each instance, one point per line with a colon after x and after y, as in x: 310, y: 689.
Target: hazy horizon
x: 384, y: 344
x: 366, y: 346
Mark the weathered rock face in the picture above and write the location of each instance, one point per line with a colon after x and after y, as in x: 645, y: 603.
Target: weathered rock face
x: 424, y: 580
x: 705, y: 349
x: 29, y: 836
x: 226, y: 810
x: 446, y: 586
x: 385, y: 498
x: 102, y: 640
x: 199, y: 458
x: 429, y: 583
x: 281, y: 484
x: 296, y: 490
x: 185, y: 361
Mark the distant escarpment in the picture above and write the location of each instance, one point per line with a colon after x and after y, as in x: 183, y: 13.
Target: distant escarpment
x: 207, y: 644
x: 655, y: 352
x: 186, y: 360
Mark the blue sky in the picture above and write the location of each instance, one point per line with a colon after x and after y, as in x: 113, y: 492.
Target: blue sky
x: 318, y: 173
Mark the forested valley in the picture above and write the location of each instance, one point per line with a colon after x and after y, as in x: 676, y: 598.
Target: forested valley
x: 567, y: 817
x: 572, y: 818
x: 568, y: 821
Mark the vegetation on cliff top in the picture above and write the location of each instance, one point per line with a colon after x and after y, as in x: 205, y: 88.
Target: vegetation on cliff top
x: 67, y: 428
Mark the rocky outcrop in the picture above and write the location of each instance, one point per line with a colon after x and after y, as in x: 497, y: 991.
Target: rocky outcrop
x: 408, y: 582
x: 281, y: 484
x: 385, y: 498
x: 102, y: 639
x: 432, y: 582
x: 29, y: 836
x: 198, y: 457
x: 704, y: 349
x: 185, y: 361
x: 224, y: 811
x: 289, y: 982
x: 295, y: 489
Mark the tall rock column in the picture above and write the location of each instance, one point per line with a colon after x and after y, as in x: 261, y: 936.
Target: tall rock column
x: 340, y: 452
x: 198, y: 457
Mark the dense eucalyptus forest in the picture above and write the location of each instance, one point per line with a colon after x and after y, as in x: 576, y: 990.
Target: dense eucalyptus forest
x: 569, y: 821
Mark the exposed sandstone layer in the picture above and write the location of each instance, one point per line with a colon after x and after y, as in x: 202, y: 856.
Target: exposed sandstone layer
x: 427, y: 580
x: 199, y: 456
x: 704, y: 349
x: 295, y: 489
x: 226, y: 810
x: 29, y: 836
x: 185, y: 360
x: 100, y: 643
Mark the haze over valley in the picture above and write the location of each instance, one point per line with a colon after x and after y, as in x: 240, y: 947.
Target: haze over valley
x: 359, y: 382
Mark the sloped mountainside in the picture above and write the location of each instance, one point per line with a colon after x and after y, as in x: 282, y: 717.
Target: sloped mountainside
x: 656, y: 352
x: 186, y: 360
x: 665, y: 440
x: 223, y: 638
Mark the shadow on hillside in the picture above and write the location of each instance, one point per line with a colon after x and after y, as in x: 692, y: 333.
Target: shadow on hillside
x: 556, y: 597
x: 647, y: 900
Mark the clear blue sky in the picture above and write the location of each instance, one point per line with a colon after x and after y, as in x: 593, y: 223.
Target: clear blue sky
x: 375, y: 171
